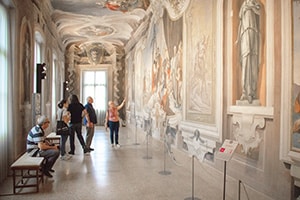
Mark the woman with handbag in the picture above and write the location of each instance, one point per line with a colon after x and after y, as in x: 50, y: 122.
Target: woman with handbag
x: 63, y: 115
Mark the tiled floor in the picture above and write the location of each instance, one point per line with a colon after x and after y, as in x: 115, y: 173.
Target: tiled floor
x: 126, y: 173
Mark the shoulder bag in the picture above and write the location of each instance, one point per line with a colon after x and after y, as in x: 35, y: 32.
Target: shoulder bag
x: 61, y: 127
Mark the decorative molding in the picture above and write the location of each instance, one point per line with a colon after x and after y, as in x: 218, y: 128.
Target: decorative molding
x: 245, y: 130
x: 286, y: 84
x: 176, y: 8
x: 208, y: 121
x: 199, y: 141
x: 139, y: 33
x: 266, y: 112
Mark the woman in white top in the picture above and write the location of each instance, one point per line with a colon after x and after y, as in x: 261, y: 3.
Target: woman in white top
x: 63, y: 114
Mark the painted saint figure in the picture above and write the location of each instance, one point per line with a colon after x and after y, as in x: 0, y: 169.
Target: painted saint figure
x: 249, y: 44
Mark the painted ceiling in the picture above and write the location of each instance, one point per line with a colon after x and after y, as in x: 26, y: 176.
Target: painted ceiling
x: 105, y: 22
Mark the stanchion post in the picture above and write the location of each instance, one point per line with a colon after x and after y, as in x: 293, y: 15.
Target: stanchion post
x: 147, y: 141
x: 239, y: 193
x: 224, y: 182
x: 193, y: 181
x: 164, y: 172
x: 136, y: 143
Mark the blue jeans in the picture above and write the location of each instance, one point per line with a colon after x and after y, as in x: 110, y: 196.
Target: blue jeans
x: 78, y: 129
x: 50, y: 156
x: 62, y: 146
x: 114, y: 131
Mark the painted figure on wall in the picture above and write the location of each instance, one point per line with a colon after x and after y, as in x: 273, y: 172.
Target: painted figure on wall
x: 176, y: 66
x: 200, y: 100
x: 297, y: 104
x: 296, y: 121
x: 296, y: 135
x: 156, y: 69
x: 249, y: 45
x: 95, y: 55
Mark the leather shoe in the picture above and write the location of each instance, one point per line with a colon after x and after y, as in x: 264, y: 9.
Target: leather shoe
x: 71, y: 153
x: 51, y: 170
x: 46, y: 173
x: 91, y: 149
x: 86, y: 150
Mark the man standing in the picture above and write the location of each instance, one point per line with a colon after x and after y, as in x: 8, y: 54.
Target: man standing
x: 38, y: 146
x: 90, y: 125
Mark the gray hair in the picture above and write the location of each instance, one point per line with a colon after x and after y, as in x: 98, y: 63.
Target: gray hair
x: 41, y: 120
x: 88, y: 98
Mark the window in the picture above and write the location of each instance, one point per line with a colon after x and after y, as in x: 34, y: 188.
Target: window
x: 95, y: 85
x: 38, y: 55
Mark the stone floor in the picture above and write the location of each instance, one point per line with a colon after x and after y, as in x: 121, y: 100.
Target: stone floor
x: 134, y: 171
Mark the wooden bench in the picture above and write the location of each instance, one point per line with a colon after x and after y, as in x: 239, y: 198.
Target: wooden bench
x: 27, y: 172
x: 52, y: 137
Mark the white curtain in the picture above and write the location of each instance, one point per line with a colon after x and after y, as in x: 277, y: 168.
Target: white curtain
x: 3, y: 93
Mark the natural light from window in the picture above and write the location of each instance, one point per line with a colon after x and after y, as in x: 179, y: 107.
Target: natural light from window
x: 95, y: 85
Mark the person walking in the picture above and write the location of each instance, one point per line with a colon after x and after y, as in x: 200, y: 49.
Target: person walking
x: 90, y: 126
x: 77, y: 111
x: 112, y: 120
x: 64, y: 115
x: 37, y: 145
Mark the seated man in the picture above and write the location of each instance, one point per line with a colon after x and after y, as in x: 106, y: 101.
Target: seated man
x: 38, y: 146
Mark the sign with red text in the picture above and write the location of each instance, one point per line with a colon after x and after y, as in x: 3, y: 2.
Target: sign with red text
x: 227, y: 149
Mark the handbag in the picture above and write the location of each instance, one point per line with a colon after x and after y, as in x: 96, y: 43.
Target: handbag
x: 61, y: 127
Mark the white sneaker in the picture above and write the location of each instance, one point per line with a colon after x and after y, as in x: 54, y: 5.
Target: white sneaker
x: 118, y: 146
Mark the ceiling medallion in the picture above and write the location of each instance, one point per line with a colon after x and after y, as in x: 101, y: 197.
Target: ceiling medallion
x: 96, y: 30
x: 123, y: 5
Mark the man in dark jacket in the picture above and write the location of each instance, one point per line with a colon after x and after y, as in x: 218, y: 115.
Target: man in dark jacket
x: 90, y: 125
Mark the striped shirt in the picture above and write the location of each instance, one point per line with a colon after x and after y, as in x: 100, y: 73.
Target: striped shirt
x: 35, y: 136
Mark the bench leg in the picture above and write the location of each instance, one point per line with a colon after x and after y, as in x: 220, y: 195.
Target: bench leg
x: 14, y: 181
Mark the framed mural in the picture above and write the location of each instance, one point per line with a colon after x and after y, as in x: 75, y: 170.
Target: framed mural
x: 204, y: 71
x: 290, y: 116
x: 200, y: 86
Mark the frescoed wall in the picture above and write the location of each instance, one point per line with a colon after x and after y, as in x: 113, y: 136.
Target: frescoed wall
x: 158, y: 88
x: 187, y: 86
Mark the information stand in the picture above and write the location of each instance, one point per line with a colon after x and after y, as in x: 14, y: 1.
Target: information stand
x: 225, y: 153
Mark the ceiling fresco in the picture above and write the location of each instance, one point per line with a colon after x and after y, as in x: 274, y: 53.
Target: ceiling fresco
x: 110, y: 22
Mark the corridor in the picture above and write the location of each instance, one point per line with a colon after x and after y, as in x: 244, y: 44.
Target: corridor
x: 129, y: 173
